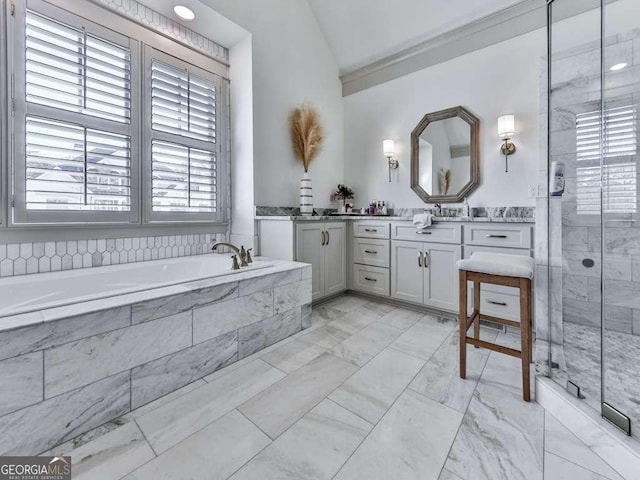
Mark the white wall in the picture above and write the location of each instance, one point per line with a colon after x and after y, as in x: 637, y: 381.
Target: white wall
x: 497, y: 80
x: 291, y: 63
x: 242, y: 175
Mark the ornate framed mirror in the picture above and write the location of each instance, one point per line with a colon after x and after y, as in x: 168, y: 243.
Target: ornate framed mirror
x: 445, y: 155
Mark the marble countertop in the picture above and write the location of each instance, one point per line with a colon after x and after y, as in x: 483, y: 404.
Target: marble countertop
x: 324, y: 218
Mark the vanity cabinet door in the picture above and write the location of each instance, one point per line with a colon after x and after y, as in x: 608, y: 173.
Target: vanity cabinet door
x: 335, y: 257
x: 407, y: 274
x: 441, y: 275
x: 310, y: 249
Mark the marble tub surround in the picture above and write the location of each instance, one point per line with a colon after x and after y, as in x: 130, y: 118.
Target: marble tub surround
x: 446, y: 214
x: 371, y: 426
x: 66, y: 376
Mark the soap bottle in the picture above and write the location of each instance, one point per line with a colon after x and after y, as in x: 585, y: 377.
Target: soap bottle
x: 556, y: 179
x: 465, y: 208
x: 384, y: 208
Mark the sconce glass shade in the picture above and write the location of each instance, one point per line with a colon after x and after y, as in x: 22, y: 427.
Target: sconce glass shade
x: 388, y: 148
x: 506, y: 126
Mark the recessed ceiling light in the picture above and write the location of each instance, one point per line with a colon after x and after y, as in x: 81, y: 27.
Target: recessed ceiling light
x: 618, y: 66
x: 183, y: 12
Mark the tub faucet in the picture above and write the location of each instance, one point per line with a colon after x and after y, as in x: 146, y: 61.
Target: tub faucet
x: 243, y: 260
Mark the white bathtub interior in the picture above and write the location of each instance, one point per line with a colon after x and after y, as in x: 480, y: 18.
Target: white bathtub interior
x: 48, y: 290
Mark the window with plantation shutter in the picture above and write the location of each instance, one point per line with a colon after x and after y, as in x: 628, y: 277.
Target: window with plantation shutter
x: 70, y: 69
x: 182, y: 103
x: 76, y: 121
x: 184, y: 178
x: 184, y: 142
x: 619, y: 182
x: 70, y: 167
x: 111, y: 122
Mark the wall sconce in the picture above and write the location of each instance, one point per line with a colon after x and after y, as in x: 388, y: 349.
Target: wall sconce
x: 388, y: 148
x: 506, y: 129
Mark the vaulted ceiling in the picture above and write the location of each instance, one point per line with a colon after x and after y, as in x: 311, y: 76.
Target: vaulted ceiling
x: 362, y: 31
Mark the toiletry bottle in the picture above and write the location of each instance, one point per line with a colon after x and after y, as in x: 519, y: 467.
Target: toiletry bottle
x: 384, y: 208
x: 465, y: 208
x: 372, y: 208
x: 556, y: 179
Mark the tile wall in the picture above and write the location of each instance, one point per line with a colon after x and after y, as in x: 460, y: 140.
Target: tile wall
x: 41, y: 257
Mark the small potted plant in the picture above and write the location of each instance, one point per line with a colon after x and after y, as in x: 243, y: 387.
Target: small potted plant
x: 344, y: 193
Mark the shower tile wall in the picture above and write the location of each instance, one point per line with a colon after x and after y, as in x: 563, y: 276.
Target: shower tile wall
x: 576, y: 89
x: 573, y: 237
x: 40, y: 257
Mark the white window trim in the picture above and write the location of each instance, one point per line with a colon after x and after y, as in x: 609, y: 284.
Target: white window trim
x: 149, y: 135
x: 5, y: 132
x: 141, y: 39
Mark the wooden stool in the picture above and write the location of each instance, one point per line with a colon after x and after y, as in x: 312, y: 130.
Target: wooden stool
x: 498, y: 269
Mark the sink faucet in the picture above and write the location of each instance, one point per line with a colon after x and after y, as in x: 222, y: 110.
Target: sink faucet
x: 243, y: 258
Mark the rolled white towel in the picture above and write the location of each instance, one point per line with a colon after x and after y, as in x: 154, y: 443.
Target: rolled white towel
x: 422, y: 220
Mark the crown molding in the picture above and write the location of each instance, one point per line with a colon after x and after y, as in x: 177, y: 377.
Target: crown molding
x: 521, y: 18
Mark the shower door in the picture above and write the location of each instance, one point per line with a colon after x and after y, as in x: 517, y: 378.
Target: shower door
x: 620, y: 231
x: 593, y: 238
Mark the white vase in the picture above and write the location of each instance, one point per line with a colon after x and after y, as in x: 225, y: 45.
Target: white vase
x: 306, y: 195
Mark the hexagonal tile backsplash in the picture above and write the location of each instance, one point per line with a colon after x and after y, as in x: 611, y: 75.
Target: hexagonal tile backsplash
x: 40, y: 257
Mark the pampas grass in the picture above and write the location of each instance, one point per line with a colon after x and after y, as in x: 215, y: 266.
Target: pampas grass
x: 306, y: 133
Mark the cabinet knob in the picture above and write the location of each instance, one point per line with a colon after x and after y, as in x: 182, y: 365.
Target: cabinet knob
x: 491, y: 235
x: 322, y: 236
x: 369, y: 279
x: 371, y: 230
x: 426, y: 260
x: 420, y: 259
x: 372, y: 252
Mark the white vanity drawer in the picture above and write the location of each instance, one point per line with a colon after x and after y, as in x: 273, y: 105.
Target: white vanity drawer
x: 496, y: 304
x: 373, y: 280
x: 439, y: 232
x: 371, y: 251
x: 371, y: 229
x: 499, y: 235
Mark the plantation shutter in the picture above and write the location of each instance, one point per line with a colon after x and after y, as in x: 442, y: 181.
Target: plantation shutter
x: 68, y: 68
x: 77, y: 121
x: 619, y: 184
x: 70, y: 167
x: 184, y: 159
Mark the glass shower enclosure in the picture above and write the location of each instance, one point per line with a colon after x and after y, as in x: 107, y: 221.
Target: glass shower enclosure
x: 592, y: 263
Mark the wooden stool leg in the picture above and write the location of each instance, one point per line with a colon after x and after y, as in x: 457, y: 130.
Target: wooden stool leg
x: 525, y: 332
x: 476, y: 306
x: 530, y: 325
x: 462, y: 293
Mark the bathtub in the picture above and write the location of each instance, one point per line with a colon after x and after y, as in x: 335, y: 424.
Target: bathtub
x: 92, y: 345
x: 31, y: 293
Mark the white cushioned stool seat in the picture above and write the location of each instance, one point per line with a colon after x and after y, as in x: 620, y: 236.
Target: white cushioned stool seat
x: 498, y: 264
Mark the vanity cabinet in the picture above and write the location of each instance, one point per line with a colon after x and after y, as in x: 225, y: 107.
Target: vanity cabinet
x: 324, y: 246
x: 426, y: 273
x: 370, y: 257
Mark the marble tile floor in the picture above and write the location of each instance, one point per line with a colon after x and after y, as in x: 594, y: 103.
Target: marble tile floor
x: 582, y: 349
x: 369, y: 391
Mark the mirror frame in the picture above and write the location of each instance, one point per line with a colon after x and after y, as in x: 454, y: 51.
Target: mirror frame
x: 474, y: 123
